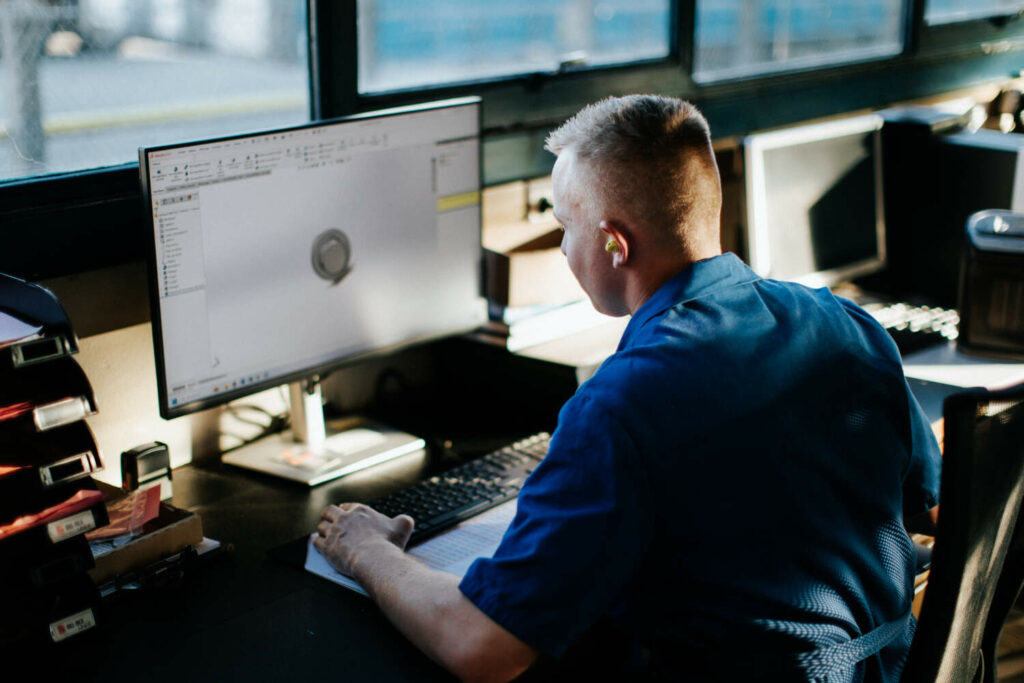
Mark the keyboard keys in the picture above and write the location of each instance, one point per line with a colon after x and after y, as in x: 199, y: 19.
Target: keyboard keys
x: 445, y: 500
x: 916, y: 327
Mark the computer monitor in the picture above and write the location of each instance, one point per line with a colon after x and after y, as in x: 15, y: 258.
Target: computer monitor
x: 281, y: 255
x: 814, y: 201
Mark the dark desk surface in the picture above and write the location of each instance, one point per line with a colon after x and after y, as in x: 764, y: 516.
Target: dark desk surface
x: 248, y: 616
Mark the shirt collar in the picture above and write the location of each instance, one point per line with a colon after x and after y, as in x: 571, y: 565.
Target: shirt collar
x: 693, y: 282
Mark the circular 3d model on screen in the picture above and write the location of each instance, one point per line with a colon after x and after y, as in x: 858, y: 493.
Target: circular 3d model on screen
x: 332, y: 255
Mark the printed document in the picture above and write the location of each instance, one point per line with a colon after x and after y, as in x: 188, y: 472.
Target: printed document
x: 452, y: 551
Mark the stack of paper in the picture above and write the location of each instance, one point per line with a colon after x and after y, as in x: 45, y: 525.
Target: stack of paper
x: 453, y: 551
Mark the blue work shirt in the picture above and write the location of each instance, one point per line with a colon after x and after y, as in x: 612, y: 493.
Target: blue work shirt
x: 728, y: 489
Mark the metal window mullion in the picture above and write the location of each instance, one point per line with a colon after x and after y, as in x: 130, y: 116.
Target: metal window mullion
x: 915, y: 25
x: 333, y: 58
x: 683, y: 38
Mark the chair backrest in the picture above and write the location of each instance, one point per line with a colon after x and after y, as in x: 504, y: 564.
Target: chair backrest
x: 978, y: 562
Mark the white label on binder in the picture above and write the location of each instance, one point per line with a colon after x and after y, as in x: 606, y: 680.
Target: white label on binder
x: 71, y: 526
x: 72, y: 625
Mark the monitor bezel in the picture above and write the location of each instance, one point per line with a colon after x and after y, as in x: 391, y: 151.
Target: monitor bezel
x: 757, y: 229
x: 168, y: 411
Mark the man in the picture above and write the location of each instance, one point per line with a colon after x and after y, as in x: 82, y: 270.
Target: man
x: 725, y: 496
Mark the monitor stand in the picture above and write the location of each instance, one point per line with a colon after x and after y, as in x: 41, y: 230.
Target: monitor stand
x: 311, y: 453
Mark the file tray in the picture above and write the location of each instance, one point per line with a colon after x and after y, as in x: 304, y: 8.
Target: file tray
x: 85, y: 512
x: 73, y: 443
x: 172, y: 530
x: 36, y: 306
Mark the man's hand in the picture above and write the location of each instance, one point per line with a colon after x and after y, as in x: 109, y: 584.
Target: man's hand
x: 347, y: 531
x: 425, y: 604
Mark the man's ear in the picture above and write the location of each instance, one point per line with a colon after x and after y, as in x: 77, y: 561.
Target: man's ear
x: 619, y: 241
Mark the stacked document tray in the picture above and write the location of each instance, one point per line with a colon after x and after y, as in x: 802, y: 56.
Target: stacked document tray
x: 48, y: 498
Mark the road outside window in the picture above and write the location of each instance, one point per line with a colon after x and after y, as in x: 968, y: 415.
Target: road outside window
x: 84, y: 83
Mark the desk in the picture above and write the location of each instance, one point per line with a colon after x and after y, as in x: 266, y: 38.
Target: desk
x: 935, y: 372
x: 946, y: 364
x: 247, y: 616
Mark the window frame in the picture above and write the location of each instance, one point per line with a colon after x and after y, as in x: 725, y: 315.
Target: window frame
x: 997, y: 16
x: 97, y: 217
x: 782, y: 72
x: 526, y: 98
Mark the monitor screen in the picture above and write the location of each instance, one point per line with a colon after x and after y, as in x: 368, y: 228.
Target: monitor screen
x: 283, y: 254
x: 814, y: 201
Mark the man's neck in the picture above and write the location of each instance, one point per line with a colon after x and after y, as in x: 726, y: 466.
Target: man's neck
x: 649, y: 280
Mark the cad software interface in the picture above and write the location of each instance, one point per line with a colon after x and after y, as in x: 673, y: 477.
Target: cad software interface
x: 280, y: 252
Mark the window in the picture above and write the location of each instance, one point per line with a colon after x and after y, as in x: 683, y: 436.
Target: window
x: 409, y: 43
x: 743, y: 38
x: 949, y: 11
x: 87, y: 82
x: 83, y: 83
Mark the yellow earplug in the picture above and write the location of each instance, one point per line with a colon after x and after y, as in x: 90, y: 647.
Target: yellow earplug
x: 611, y: 246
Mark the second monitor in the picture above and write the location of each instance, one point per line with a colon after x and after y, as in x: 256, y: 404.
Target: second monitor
x: 814, y: 201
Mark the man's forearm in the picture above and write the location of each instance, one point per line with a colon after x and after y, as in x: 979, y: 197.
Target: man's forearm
x: 429, y: 609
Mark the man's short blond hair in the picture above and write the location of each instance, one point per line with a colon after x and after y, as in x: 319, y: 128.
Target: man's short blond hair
x: 653, y: 156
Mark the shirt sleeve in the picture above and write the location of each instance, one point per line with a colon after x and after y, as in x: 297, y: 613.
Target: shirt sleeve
x: 581, y: 529
x: 921, y: 480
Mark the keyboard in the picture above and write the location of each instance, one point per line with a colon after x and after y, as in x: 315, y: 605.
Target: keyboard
x: 915, y: 327
x: 466, y: 490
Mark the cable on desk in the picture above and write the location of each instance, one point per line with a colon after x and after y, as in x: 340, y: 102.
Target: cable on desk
x: 275, y: 424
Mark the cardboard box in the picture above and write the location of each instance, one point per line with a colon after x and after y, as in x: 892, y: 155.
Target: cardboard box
x: 522, y: 252
x: 171, y: 531
x: 531, y: 273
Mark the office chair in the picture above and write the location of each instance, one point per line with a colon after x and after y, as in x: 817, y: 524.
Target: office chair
x: 978, y: 563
